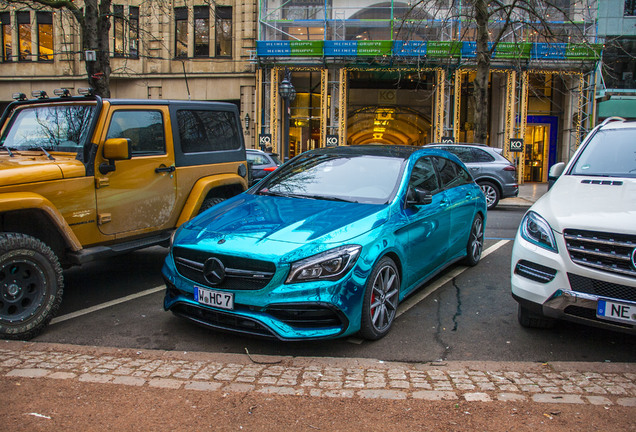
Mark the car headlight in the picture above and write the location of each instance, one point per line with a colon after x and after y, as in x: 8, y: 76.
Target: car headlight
x: 537, y: 230
x: 330, y: 265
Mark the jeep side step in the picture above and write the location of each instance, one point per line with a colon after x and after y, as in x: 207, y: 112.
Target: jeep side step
x: 97, y: 252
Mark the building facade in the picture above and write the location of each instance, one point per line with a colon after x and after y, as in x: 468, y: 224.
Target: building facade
x: 387, y: 72
x: 197, y: 50
x: 616, y: 84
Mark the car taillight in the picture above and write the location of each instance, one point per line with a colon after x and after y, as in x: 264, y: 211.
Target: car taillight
x: 269, y: 169
x: 510, y: 168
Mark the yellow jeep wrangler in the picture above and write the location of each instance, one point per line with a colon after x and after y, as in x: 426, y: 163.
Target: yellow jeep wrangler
x: 83, y: 178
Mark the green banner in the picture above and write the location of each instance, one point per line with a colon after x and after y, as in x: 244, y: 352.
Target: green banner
x: 306, y: 48
x: 583, y: 51
x: 512, y: 50
x: 375, y: 48
x: 443, y: 48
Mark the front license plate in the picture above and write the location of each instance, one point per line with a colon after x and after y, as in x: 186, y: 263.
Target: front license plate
x: 223, y: 300
x: 616, y: 311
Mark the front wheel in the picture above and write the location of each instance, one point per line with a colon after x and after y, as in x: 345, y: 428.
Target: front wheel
x: 210, y: 202
x: 380, y: 300
x: 532, y: 320
x: 31, y: 286
x: 475, y: 242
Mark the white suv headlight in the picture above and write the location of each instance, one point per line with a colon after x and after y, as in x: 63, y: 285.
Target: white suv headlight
x: 330, y: 265
x: 537, y: 230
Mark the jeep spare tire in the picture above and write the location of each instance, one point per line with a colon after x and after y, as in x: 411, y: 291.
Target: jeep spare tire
x: 31, y: 286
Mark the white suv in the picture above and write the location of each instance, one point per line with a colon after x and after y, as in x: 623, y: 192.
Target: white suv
x: 574, y: 255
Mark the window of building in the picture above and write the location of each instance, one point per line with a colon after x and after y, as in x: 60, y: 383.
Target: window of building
x: 45, y: 35
x: 223, y: 26
x: 24, y: 35
x: 181, y: 32
x: 201, y: 31
x: 5, y: 21
x: 630, y: 8
x: 133, y: 31
x: 118, y: 31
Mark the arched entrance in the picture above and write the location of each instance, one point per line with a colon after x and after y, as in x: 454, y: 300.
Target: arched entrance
x: 387, y: 125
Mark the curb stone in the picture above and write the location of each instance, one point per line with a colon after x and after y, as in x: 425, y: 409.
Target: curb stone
x: 562, y: 382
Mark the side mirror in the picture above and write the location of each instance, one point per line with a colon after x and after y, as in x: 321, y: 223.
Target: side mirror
x: 115, y: 149
x: 555, y: 172
x: 417, y: 196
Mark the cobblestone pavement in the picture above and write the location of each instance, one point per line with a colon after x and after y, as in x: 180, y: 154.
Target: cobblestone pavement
x: 572, y: 383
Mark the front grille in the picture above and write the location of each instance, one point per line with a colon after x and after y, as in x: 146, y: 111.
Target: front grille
x: 222, y: 321
x: 306, y: 316
x: 607, y: 252
x: 601, y: 288
x: 240, y: 273
x: 535, y: 272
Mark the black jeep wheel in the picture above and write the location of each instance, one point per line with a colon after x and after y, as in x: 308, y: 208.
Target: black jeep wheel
x: 31, y: 286
x: 210, y: 202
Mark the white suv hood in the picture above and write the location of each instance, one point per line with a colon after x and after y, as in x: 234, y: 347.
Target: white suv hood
x: 574, y: 203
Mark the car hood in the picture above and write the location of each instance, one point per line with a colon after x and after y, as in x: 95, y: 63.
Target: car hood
x: 25, y: 168
x: 575, y: 202
x: 255, y: 220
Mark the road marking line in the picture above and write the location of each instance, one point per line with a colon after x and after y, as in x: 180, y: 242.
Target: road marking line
x: 106, y: 305
x: 418, y: 297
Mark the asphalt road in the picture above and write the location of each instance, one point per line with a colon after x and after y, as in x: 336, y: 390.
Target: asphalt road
x: 465, y: 314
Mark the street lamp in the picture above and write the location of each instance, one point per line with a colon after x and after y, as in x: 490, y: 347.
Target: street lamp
x: 288, y: 94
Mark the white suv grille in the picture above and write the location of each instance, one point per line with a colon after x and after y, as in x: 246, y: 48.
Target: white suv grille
x: 608, y: 252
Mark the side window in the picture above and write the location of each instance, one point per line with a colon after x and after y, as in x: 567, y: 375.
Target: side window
x: 463, y: 153
x: 257, y: 159
x: 144, y: 129
x: 205, y: 131
x: 451, y: 174
x: 481, y: 156
x: 423, y: 176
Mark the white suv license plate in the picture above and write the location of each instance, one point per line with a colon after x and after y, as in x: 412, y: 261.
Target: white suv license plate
x: 219, y: 299
x: 616, y: 311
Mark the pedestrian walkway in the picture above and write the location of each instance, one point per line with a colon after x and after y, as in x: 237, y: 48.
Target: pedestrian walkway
x: 529, y: 193
x: 571, y: 383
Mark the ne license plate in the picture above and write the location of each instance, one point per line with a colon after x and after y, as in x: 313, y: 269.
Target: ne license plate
x: 616, y: 311
x: 223, y: 300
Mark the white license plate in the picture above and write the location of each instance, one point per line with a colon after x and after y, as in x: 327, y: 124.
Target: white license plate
x: 616, y: 311
x: 223, y: 300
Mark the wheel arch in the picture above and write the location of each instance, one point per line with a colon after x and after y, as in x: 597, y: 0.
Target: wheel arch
x: 223, y: 186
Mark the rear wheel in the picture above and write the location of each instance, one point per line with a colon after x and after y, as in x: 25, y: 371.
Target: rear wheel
x: 31, y: 286
x: 532, y: 320
x: 492, y: 194
x: 380, y: 300
x: 475, y: 242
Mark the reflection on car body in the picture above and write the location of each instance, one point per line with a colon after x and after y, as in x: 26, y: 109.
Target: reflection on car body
x: 328, y: 244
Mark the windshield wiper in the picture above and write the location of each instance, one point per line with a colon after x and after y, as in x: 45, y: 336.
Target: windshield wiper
x: 8, y: 150
x: 48, y: 155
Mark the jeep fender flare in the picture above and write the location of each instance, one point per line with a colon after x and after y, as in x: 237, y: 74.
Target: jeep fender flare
x: 12, y: 201
x: 200, y: 191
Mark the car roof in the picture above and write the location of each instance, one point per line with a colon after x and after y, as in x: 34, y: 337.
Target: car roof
x: 397, y: 151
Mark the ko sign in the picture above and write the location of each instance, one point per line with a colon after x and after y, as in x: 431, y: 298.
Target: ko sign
x: 265, y: 140
x: 332, y: 141
x: 516, y: 144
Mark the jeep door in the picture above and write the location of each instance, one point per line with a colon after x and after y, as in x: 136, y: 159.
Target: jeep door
x: 139, y: 194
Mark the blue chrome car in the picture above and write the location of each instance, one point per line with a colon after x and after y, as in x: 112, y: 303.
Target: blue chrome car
x: 328, y: 244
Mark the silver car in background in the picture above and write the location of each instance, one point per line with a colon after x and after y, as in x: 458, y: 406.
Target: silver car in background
x: 495, y: 175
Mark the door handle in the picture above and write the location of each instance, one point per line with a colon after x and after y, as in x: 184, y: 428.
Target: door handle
x: 165, y: 169
x: 443, y: 203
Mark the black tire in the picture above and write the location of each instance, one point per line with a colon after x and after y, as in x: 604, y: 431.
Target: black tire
x: 475, y: 244
x: 210, y: 202
x: 491, y: 191
x: 532, y: 320
x: 31, y: 286
x: 381, y: 299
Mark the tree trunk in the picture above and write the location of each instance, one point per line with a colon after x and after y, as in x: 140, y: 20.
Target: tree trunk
x: 95, y: 36
x: 480, y: 84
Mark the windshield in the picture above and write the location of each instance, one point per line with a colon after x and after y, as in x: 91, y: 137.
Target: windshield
x: 52, y: 127
x: 610, y: 153
x: 354, y: 178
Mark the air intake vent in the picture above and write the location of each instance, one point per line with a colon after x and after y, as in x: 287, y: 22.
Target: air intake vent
x: 603, y: 182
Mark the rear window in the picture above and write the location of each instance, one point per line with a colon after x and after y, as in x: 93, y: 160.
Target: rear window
x: 204, y: 131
